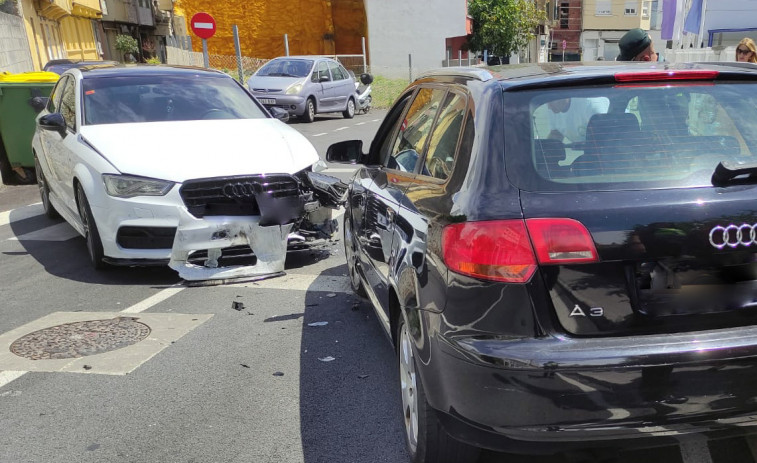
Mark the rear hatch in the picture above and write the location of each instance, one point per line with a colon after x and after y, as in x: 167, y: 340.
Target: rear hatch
x: 633, y: 163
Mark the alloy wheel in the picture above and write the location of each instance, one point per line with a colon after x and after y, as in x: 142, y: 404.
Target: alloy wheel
x: 409, y: 388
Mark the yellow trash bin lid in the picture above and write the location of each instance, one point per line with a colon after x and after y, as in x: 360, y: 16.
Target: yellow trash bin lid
x: 23, y: 77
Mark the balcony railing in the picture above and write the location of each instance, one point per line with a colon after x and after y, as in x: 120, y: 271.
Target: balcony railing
x: 54, y: 9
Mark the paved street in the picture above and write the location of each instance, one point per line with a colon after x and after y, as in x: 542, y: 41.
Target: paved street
x: 292, y: 369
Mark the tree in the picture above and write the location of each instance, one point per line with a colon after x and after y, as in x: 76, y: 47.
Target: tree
x: 503, y: 27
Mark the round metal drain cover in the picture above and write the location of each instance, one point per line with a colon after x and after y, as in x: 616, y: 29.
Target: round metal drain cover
x: 80, y: 339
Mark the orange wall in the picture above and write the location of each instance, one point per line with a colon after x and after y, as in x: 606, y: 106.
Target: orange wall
x: 313, y: 27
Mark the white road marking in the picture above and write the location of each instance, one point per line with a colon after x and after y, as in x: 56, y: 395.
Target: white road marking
x: 360, y: 123
x: 60, y: 232
x: 376, y: 120
x: 153, y: 300
x: 8, y: 376
x: 340, y: 128
x: 319, y: 134
x: 21, y: 213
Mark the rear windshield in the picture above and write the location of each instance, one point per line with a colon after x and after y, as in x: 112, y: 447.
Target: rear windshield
x: 630, y: 136
x: 116, y: 100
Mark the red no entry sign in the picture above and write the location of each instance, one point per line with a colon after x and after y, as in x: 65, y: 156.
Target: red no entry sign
x: 203, y: 25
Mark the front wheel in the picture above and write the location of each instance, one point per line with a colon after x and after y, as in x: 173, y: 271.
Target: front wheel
x: 44, y: 191
x: 91, y: 234
x: 349, y: 113
x: 427, y: 441
x: 309, y: 115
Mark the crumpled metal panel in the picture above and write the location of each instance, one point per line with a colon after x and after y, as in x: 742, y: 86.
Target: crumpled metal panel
x: 269, y: 244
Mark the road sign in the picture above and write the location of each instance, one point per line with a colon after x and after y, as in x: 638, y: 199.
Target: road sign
x: 564, y: 44
x: 203, y: 25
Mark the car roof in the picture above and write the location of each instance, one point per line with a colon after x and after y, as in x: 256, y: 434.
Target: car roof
x: 305, y: 57
x: 521, y: 76
x: 120, y: 70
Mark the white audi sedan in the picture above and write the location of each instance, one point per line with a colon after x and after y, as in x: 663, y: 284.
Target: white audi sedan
x: 154, y: 163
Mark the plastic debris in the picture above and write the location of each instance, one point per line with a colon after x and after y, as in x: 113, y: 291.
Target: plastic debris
x: 362, y: 376
x: 238, y: 306
x: 326, y: 359
x: 318, y: 324
x: 331, y: 295
x: 278, y: 373
x: 356, y: 306
x: 244, y: 365
x: 87, y: 367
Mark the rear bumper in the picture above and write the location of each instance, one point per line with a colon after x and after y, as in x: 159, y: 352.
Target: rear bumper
x: 561, y: 393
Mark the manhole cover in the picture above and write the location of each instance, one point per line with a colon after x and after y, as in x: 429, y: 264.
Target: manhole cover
x: 80, y: 339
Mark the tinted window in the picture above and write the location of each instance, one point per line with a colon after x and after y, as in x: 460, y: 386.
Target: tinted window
x: 67, y: 106
x: 413, y: 132
x: 286, y: 68
x: 337, y: 71
x: 625, y: 137
x: 321, y: 71
x: 113, y: 100
x: 54, y: 101
x: 442, y: 146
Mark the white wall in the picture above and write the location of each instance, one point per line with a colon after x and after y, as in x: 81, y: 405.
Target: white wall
x: 397, y: 28
x: 730, y: 14
x: 15, y: 55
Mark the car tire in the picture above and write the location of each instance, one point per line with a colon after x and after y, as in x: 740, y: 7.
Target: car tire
x: 91, y: 234
x: 349, y: 113
x: 309, y: 115
x: 350, y: 253
x: 44, y: 191
x: 426, y: 439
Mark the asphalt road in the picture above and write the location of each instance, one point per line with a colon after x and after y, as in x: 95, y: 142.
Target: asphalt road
x: 299, y: 373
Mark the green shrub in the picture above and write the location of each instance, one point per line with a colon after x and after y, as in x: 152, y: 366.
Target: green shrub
x: 154, y: 60
x: 384, y: 91
x: 126, y: 44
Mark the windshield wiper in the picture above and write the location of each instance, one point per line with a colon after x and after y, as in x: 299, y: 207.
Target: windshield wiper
x: 730, y: 172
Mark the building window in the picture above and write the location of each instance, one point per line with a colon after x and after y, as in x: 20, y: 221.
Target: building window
x: 604, y: 8
x: 630, y: 9
x: 564, y: 12
x: 645, y: 10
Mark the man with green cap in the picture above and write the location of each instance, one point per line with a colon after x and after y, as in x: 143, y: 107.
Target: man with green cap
x: 636, y: 45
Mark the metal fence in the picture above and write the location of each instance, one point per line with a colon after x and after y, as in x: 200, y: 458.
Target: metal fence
x: 714, y: 54
x: 14, y: 46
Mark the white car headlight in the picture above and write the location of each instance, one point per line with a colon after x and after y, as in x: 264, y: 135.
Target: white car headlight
x: 294, y: 89
x: 126, y: 186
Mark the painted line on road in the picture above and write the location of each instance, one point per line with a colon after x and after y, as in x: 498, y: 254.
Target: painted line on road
x: 60, y: 232
x: 376, y: 120
x: 319, y: 134
x: 153, y: 300
x: 361, y: 123
x: 8, y: 376
x: 340, y: 128
x: 21, y: 213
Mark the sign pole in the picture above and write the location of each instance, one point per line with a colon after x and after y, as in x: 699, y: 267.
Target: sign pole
x: 240, y: 71
x: 205, y: 59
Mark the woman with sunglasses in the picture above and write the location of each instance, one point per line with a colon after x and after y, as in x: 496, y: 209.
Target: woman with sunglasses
x: 746, y: 51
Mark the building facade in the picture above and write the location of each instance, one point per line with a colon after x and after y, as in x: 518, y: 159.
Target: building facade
x: 605, y: 22
x: 565, y: 41
x: 59, y: 29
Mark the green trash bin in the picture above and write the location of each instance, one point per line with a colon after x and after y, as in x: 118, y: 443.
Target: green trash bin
x: 22, y: 96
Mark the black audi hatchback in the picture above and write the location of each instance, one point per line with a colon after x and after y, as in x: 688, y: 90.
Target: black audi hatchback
x: 563, y: 256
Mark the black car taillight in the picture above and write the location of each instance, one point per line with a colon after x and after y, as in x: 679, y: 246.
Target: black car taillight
x: 510, y: 250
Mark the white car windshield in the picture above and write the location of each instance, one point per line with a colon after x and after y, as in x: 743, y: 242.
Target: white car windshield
x: 116, y: 100
x: 286, y: 68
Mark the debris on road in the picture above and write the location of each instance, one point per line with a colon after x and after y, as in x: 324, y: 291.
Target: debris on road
x: 318, y: 324
x: 362, y: 376
x: 278, y: 373
x: 326, y: 359
x: 331, y: 295
x: 238, y: 306
x: 244, y: 365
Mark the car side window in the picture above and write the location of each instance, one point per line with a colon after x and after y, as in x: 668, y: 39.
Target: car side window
x: 53, y: 103
x: 68, y: 104
x: 336, y: 71
x: 321, y: 70
x: 413, y: 132
x: 442, y: 146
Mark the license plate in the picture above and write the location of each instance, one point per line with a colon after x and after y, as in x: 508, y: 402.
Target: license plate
x: 267, y: 100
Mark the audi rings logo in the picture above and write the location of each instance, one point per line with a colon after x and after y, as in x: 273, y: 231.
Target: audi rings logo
x: 239, y: 190
x: 733, y: 235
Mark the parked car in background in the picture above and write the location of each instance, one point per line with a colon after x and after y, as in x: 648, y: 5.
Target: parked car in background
x: 59, y: 66
x: 305, y: 86
x: 152, y: 163
x: 545, y: 291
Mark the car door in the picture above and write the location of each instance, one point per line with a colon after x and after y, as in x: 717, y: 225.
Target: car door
x: 401, y: 155
x: 321, y: 79
x: 48, y: 157
x: 67, y: 148
x: 343, y: 85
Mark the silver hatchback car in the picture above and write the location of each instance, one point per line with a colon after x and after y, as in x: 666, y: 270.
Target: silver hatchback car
x: 305, y: 86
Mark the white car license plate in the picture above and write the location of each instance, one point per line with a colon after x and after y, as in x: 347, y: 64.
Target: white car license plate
x: 267, y: 100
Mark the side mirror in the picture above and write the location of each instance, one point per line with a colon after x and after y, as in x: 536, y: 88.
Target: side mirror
x: 279, y: 113
x: 38, y: 103
x: 53, y: 122
x: 345, y: 152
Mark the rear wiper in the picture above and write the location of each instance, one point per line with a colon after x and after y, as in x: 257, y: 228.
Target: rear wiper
x: 730, y: 172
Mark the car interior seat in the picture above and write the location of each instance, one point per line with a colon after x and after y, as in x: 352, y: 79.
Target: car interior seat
x: 612, y: 142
